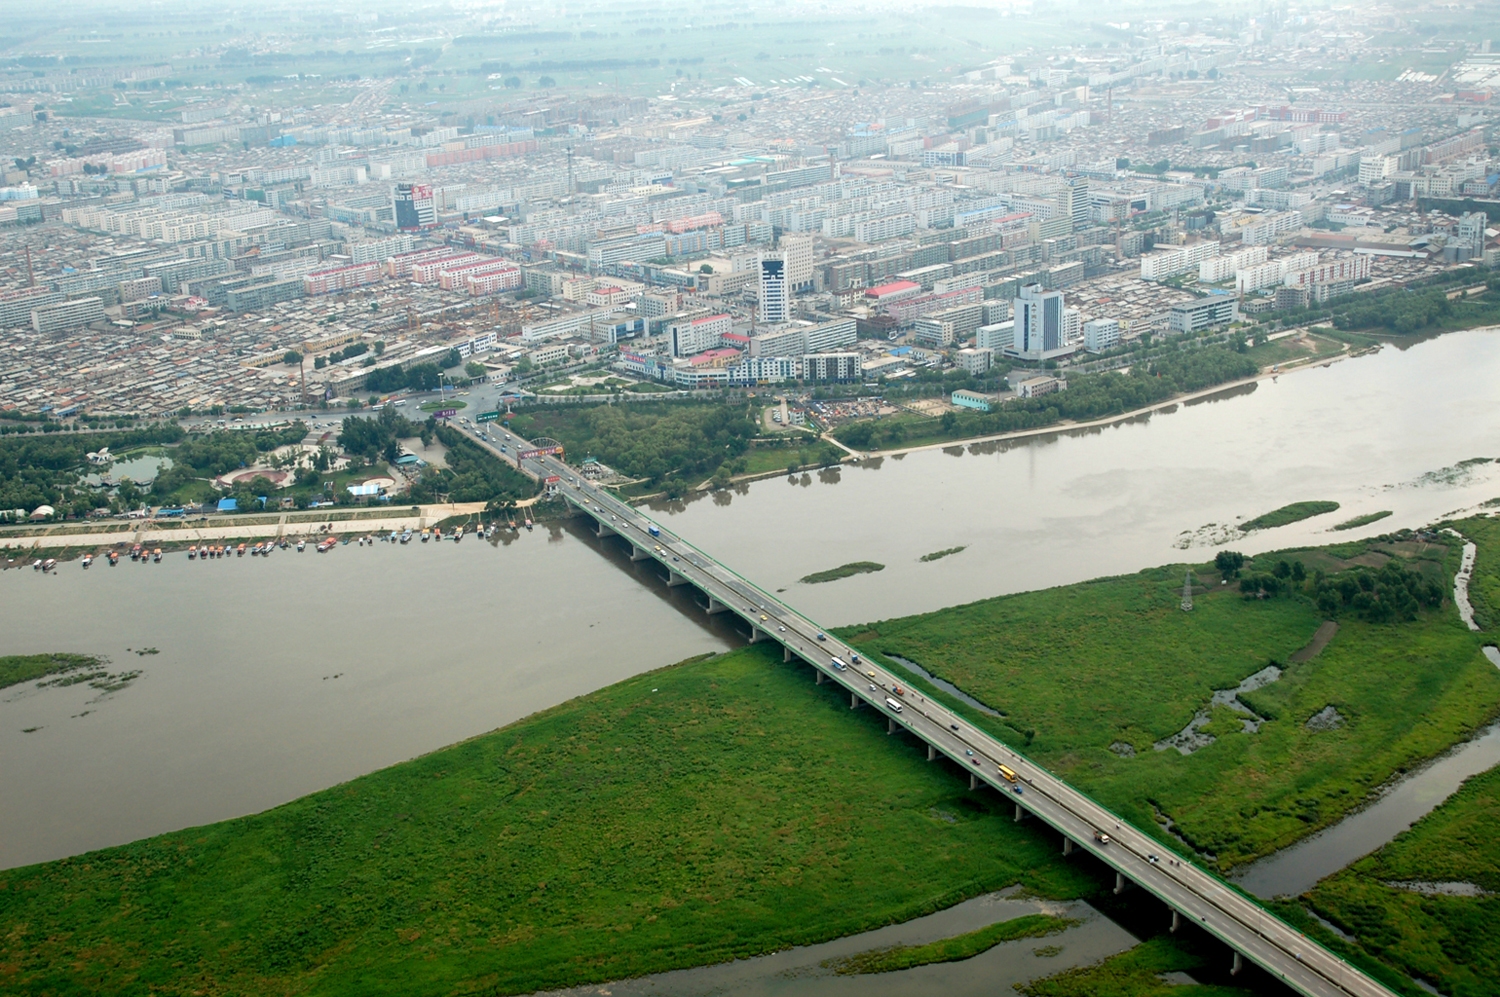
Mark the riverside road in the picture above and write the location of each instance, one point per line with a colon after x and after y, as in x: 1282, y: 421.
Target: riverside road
x: 1191, y: 893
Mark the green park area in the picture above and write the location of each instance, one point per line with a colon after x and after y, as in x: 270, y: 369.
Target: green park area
x: 54, y: 469
x: 729, y: 806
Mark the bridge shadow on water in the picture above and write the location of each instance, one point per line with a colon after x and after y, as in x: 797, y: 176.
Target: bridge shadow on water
x: 1135, y: 910
x: 687, y: 599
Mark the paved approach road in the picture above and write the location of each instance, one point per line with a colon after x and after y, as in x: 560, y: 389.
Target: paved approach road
x: 1192, y: 893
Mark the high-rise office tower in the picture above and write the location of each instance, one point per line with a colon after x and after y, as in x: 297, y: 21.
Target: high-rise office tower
x: 1073, y: 201
x: 415, y: 207
x: 775, y: 305
x: 1039, y: 323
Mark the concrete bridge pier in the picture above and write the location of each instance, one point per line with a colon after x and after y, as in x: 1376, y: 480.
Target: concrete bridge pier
x: 890, y: 725
x: 756, y: 636
x: 1176, y: 921
x: 853, y: 701
x: 1239, y: 964
x: 973, y: 781
x: 715, y: 606
x: 1067, y: 846
x: 1119, y: 883
x: 637, y: 554
x: 604, y: 531
x: 931, y: 752
x: 1020, y: 813
x: 786, y: 653
x: 820, y: 676
x: 674, y: 579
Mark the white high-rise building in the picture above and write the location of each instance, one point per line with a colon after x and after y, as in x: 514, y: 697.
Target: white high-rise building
x: 774, y: 297
x: 1072, y: 326
x: 797, y: 250
x: 1039, y: 324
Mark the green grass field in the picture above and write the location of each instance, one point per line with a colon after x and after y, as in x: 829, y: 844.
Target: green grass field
x: 763, y: 460
x: 1070, y: 667
x: 1291, y: 348
x: 703, y: 812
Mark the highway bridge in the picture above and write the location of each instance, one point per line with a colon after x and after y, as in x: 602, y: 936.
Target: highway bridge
x: 1192, y: 894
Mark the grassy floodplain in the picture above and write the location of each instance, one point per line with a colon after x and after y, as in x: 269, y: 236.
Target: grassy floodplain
x: 711, y: 810
x: 1088, y: 674
x: 1449, y: 940
x: 1288, y: 514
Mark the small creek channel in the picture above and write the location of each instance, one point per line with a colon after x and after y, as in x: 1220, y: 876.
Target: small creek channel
x: 945, y: 685
x: 1295, y: 870
x: 1191, y: 737
x: 800, y: 971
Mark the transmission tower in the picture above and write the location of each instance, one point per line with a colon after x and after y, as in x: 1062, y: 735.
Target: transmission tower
x: 1187, y: 592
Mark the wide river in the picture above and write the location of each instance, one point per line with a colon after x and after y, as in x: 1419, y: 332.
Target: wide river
x: 280, y: 676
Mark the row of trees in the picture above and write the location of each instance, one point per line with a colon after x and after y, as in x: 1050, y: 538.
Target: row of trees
x: 1414, y: 312
x: 1392, y: 593
x: 1089, y: 396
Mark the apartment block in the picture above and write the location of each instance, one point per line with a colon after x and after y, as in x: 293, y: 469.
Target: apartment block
x: 62, y: 316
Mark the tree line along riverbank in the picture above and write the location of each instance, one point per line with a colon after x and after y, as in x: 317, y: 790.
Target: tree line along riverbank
x: 729, y: 806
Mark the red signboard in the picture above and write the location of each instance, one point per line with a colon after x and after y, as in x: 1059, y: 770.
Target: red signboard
x: 446, y: 413
x: 528, y: 454
x: 552, y: 479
